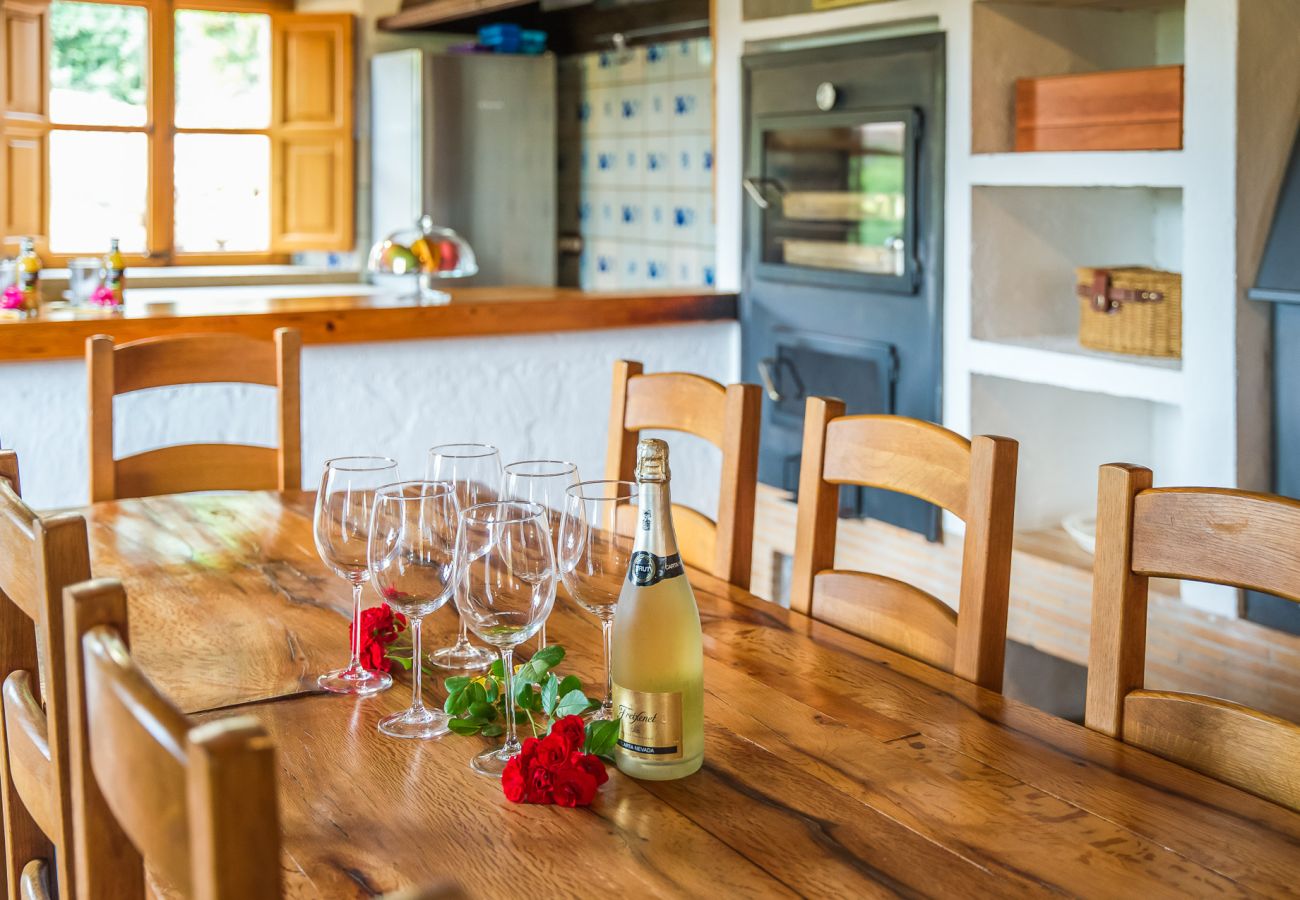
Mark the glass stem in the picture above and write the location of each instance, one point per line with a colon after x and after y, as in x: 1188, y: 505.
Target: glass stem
x: 356, y: 625
x: 417, y: 665
x: 463, y: 641
x: 541, y: 637
x: 607, y: 632
x: 511, y: 745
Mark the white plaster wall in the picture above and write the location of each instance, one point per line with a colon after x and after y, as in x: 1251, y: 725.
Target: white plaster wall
x: 532, y: 395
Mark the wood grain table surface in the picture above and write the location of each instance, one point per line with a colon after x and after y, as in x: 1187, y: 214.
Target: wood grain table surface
x: 832, y: 767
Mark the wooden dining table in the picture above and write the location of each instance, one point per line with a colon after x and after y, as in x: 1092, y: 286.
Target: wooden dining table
x: 833, y: 767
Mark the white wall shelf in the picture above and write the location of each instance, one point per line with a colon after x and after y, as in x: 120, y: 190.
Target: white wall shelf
x: 1059, y: 361
x: 1142, y: 168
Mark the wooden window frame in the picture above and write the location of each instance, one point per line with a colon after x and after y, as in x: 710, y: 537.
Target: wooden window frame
x: 160, y: 131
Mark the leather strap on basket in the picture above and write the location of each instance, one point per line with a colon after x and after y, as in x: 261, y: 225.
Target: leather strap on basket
x: 1106, y: 298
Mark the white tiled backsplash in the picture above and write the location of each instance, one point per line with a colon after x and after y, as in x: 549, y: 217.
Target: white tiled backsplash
x: 636, y: 164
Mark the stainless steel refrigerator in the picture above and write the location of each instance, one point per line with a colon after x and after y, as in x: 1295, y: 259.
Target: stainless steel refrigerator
x: 470, y: 139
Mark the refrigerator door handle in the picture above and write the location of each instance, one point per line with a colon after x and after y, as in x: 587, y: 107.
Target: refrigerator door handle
x: 755, y: 193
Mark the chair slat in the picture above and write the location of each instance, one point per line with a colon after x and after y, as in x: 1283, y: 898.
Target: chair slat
x: 133, y: 731
x: 1254, y: 751
x: 1225, y: 536
x: 197, y: 467
x: 696, y: 536
x: 677, y: 401
x: 889, y: 612
x: 27, y: 743
x: 192, y: 359
x: 917, y: 458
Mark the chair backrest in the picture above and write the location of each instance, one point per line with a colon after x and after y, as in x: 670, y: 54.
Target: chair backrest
x: 973, y: 480
x: 728, y: 418
x: 39, y: 557
x: 193, y: 359
x: 197, y: 805
x: 1230, y: 537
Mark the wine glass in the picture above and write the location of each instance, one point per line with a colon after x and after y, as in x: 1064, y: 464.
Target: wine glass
x: 595, y: 547
x: 412, y: 558
x: 506, y: 572
x: 341, y: 526
x: 475, y: 471
x: 542, y: 481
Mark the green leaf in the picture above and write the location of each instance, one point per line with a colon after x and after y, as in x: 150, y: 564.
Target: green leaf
x: 493, y: 690
x: 574, y: 703
x: 476, y: 692
x: 403, y: 661
x: 570, y: 683
x: 601, y: 736
x: 457, y: 701
x: 524, y: 696
x: 550, y: 655
x: 480, y: 710
x: 496, y: 670
x: 456, y: 683
x: 494, y: 730
x: 550, y: 693
x: 460, y: 726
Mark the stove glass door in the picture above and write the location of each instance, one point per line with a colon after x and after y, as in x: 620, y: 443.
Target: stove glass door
x: 834, y: 195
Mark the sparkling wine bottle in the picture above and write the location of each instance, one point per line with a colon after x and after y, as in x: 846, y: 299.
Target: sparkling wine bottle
x: 658, y: 657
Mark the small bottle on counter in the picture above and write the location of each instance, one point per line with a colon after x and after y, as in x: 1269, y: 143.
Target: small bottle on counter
x: 115, y: 272
x: 28, y: 276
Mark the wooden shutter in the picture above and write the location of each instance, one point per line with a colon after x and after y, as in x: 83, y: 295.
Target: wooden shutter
x: 24, y: 132
x: 312, y: 178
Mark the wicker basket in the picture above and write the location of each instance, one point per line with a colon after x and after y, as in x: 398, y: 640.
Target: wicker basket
x: 1131, y: 310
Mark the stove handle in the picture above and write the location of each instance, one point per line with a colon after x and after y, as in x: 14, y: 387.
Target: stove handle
x: 769, y: 385
x: 755, y: 194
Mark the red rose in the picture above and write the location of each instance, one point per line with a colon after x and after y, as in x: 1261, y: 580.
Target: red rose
x: 551, y: 751
x: 512, y: 781
x: 573, y: 786
x: 539, y: 785
x: 529, y: 750
x: 589, y: 764
x: 380, y: 626
x: 572, y: 731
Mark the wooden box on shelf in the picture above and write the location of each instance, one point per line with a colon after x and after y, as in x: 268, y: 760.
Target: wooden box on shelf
x: 1127, y: 109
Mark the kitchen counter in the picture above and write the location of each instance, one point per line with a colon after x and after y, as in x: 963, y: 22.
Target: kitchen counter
x: 354, y: 313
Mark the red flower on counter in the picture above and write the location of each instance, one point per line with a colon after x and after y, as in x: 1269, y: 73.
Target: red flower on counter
x: 380, y: 626
x: 554, y: 769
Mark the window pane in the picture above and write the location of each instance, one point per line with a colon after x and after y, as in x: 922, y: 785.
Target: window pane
x: 222, y: 192
x: 98, y: 186
x: 223, y: 66
x: 98, y: 65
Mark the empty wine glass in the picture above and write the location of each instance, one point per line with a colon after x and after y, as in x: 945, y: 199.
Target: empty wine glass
x: 595, y: 547
x: 506, y: 571
x: 542, y: 481
x: 341, y: 526
x: 412, y: 561
x: 475, y: 471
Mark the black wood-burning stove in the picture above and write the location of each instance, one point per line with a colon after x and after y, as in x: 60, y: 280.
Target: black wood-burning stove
x: 842, y: 290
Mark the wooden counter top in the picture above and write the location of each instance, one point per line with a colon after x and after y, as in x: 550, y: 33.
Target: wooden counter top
x: 346, y: 316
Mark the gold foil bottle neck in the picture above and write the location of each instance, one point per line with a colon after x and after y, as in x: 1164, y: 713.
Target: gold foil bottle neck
x: 651, y: 460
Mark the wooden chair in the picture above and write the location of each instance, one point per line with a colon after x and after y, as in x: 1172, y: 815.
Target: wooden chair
x: 1217, y: 535
x: 39, y: 557
x: 193, y: 359
x: 727, y: 417
x: 196, y: 804
x: 973, y: 480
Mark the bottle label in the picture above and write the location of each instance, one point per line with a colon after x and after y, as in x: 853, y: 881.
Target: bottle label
x: 651, y: 723
x: 647, y: 569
